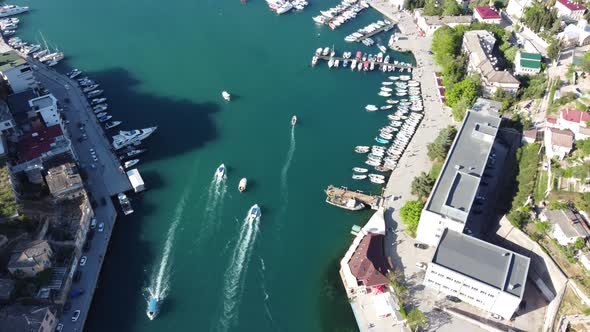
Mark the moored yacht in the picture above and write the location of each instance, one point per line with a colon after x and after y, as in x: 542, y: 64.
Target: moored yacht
x: 125, y: 138
x: 253, y: 214
x: 8, y: 10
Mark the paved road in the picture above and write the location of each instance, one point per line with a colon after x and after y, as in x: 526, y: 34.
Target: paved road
x: 103, y: 181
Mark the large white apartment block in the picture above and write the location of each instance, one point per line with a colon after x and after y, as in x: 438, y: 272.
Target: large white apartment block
x: 479, y: 273
x: 16, y: 71
x: 451, y: 201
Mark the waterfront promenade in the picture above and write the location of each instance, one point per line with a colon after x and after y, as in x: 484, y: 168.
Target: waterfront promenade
x: 104, y: 180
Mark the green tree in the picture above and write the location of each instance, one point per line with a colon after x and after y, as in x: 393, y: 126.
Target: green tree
x: 538, y: 17
x: 422, y: 186
x: 417, y: 319
x: 446, y: 44
x: 458, y: 111
x: 451, y: 8
x: 438, y: 149
x: 585, y: 64
x: 410, y: 214
x: 431, y: 8
x: 579, y: 243
x: 510, y: 54
x: 553, y: 50
x: 506, y: 98
x: 543, y: 226
x: 467, y: 90
x: 583, y: 147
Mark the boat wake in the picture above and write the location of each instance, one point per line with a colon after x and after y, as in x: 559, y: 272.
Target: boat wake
x: 285, y: 171
x: 217, y: 190
x: 235, y: 273
x: 266, y: 294
x: 159, y: 282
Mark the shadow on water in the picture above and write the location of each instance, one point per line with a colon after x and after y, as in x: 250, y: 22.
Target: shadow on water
x: 335, y: 311
x: 183, y: 125
x: 122, y: 277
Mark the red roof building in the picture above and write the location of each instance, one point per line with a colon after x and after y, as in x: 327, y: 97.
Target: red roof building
x: 368, y: 264
x: 486, y: 14
x: 570, y: 9
x: 38, y: 143
x: 572, y: 115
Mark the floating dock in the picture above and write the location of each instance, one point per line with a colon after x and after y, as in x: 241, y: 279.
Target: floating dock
x: 341, y: 196
x: 371, y: 34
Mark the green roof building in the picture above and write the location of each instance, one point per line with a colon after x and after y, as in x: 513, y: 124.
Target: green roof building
x: 527, y: 63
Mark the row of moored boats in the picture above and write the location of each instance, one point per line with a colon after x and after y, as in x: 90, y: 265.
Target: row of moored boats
x: 284, y: 6
x: 360, y: 62
x: 336, y: 16
x: 371, y: 29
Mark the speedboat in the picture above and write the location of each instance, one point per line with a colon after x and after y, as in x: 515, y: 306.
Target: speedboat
x: 131, y: 163
x: 360, y: 170
x: 293, y: 120
x: 152, y: 307
x: 226, y: 95
x: 220, y: 172
x: 242, y: 184
x: 253, y: 214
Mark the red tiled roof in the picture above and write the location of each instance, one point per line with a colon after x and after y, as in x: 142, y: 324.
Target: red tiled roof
x: 576, y: 116
x: 487, y: 13
x: 552, y: 120
x: 572, y: 5
x: 36, y: 143
x: 368, y: 263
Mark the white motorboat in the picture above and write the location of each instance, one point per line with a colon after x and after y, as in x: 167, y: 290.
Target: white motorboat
x: 90, y: 88
x: 94, y: 93
x: 101, y: 114
x: 293, y: 120
x: 359, y: 176
x: 226, y: 95
x: 387, y: 83
x: 9, y: 10
x: 112, y: 124
x: 242, y: 184
x: 377, y: 176
x: 100, y: 108
x: 105, y: 118
x: 386, y: 89
x: 125, y: 138
x: 360, y: 170
x: 131, y: 163
x: 371, y: 108
x: 253, y: 214
x: 326, y: 51
x: 377, y: 181
x: 128, y: 209
x: 386, y: 107
x: 285, y: 7
x: 361, y: 149
x: 331, y: 62
x: 220, y: 172
x: 384, y: 94
x: 97, y: 101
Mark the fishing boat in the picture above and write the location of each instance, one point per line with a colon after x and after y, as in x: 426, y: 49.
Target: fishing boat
x: 360, y: 170
x: 293, y: 120
x: 226, y: 95
x: 220, y: 172
x: 359, y: 176
x: 242, y: 184
x: 131, y: 163
x: 350, y: 204
x: 112, y: 124
x: 253, y: 214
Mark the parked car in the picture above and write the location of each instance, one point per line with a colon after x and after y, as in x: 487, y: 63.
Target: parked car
x: 76, y: 315
x: 453, y: 299
x: 59, y: 327
x: 101, y: 227
x: 83, y: 260
x: 420, y: 245
x: 93, y: 223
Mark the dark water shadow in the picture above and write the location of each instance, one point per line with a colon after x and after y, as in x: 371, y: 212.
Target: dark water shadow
x: 334, y: 308
x: 120, y: 289
x: 153, y: 180
x: 183, y: 125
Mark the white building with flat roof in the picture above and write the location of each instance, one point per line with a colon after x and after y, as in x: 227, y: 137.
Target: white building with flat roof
x: 46, y: 106
x: 16, y: 71
x: 479, y: 273
x: 451, y: 201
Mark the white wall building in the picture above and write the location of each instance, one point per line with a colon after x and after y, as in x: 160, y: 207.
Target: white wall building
x: 479, y: 273
x: 567, y: 226
x: 584, y: 258
x: 46, y: 106
x: 456, y: 189
x: 16, y: 71
x: 558, y: 143
x: 429, y: 24
x: 572, y: 10
x: 516, y: 8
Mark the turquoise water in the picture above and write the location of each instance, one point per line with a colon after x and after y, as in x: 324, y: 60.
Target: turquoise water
x: 166, y: 63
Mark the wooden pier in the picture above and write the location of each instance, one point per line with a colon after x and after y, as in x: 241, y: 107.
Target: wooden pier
x: 339, y: 196
x: 377, y: 63
x: 369, y: 35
